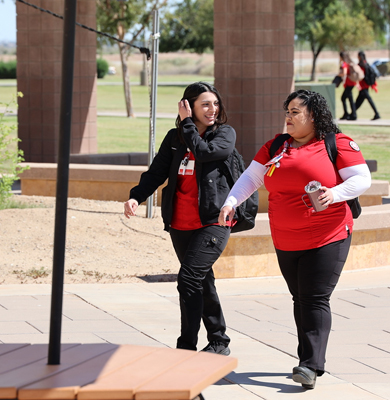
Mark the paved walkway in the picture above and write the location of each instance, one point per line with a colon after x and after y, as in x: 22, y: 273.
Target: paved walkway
x: 258, y: 312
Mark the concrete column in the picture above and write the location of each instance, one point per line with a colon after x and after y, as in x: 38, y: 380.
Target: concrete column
x: 39, y: 55
x: 254, y: 71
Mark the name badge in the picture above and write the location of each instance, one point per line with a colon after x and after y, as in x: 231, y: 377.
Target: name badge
x: 187, y: 167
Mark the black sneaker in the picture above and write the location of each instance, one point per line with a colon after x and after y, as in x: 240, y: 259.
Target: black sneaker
x: 217, y: 348
x: 306, y: 376
x: 376, y: 116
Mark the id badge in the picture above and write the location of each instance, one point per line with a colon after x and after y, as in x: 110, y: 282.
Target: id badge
x: 190, y: 168
x: 187, y: 167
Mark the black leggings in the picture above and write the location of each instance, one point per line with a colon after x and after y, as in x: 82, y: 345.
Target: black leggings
x: 197, y: 251
x: 363, y: 94
x: 311, y: 276
x: 347, y: 94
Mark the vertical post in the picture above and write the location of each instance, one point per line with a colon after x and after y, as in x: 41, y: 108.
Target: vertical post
x: 62, y: 181
x: 152, y: 131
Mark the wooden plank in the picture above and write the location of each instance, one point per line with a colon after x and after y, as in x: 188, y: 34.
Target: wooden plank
x: 187, y: 379
x: 26, y: 355
x: 55, y: 386
x: 8, y: 347
x: 11, y: 381
x: 122, y: 383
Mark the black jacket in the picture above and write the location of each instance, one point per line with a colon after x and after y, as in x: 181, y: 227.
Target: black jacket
x: 209, y: 153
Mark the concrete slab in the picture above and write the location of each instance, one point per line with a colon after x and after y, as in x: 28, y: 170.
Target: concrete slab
x: 258, y: 312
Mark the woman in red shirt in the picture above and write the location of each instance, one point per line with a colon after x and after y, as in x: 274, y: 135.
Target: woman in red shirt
x: 345, y: 61
x: 190, y: 158
x: 311, y: 247
x: 364, y: 86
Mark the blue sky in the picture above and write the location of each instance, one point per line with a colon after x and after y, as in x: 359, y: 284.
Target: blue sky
x: 7, y: 20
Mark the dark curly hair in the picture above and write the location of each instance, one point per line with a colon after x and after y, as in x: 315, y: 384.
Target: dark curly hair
x: 318, y: 109
x: 193, y: 91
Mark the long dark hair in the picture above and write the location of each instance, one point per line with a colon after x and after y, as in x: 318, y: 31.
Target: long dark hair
x: 318, y: 109
x: 193, y: 91
x: 362, y: 58
x: 345, y: 57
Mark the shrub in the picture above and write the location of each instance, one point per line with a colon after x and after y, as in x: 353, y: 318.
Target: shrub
x: 102, y: 68
x: 8, y: 70
x: 10, y: 157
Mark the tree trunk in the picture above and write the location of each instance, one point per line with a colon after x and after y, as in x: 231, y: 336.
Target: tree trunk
x: 316, y: 53
x: 313, y: 67
x: 126, y: 80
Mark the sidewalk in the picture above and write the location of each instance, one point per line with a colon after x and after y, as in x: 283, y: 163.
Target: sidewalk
x: 258, y: 312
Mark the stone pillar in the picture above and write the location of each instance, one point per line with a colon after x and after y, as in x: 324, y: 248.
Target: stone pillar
x: 39, y: 55
x: 254, y: 71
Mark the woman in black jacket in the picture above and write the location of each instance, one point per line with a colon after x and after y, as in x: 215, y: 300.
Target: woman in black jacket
x: 191, y: 158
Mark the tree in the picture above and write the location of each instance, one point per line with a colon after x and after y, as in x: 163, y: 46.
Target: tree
x: 190, y: 26
x: 10, y: 156
x: 377, y: 11
x: 120, y: 18
x: 331, y: 23
x: 345, y: 30
x: 307, y: 14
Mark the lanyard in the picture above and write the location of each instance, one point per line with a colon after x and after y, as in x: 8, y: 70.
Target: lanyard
x: 274, y: 162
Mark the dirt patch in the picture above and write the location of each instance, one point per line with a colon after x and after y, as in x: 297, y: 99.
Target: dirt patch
x: 101, y: 244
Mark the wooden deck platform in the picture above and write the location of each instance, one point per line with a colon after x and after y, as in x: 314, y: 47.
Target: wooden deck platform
x: 108, y: 372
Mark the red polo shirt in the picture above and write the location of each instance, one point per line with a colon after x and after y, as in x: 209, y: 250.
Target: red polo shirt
x: 294, y: 226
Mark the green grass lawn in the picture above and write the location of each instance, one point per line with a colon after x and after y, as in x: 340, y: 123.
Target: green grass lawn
x: 180, y: 78
x: 119, y: 134
x: 111, y: 98
x: 374, y: 143
x: 122, y: 135
x: 381, y: 100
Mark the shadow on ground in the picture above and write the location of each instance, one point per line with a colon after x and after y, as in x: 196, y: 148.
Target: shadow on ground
x: 159, y: 278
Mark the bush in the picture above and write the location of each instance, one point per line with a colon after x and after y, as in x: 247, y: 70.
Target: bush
x: 8, y: 70
x: 102, y: 68
x: 10, y: 157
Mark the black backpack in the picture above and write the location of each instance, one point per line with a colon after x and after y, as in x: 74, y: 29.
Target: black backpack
x: 369, y: 75
x: 331, y: 148
x: 246, y: 212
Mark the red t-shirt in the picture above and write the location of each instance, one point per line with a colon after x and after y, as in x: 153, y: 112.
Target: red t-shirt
x: 186, y: 206
x: 348, y: 81
x: 364, y: 85
x: 294, y: 226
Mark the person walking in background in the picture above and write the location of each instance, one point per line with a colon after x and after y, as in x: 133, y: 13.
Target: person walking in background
x: 345, y: 62
x: 190, y: 157
x: 368, y: 81
x: 311, y: 247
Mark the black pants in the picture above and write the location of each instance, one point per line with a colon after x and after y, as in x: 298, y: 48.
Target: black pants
x: 197, y: 251
x: 347, y: 94
x: 311, y: 276
x: 364, y: 94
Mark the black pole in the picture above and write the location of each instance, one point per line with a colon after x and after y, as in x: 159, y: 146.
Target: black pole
x: 57, y: 289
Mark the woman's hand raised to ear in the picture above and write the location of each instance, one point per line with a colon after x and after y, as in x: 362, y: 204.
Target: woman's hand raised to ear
x: 184, y: 109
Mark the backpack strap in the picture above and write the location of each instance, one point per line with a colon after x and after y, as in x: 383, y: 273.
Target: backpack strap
x: 331, y: 147
x: 277, y: 143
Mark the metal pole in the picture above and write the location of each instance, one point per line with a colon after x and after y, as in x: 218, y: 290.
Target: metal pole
x: 62, y: 181
x: 153, y: 95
